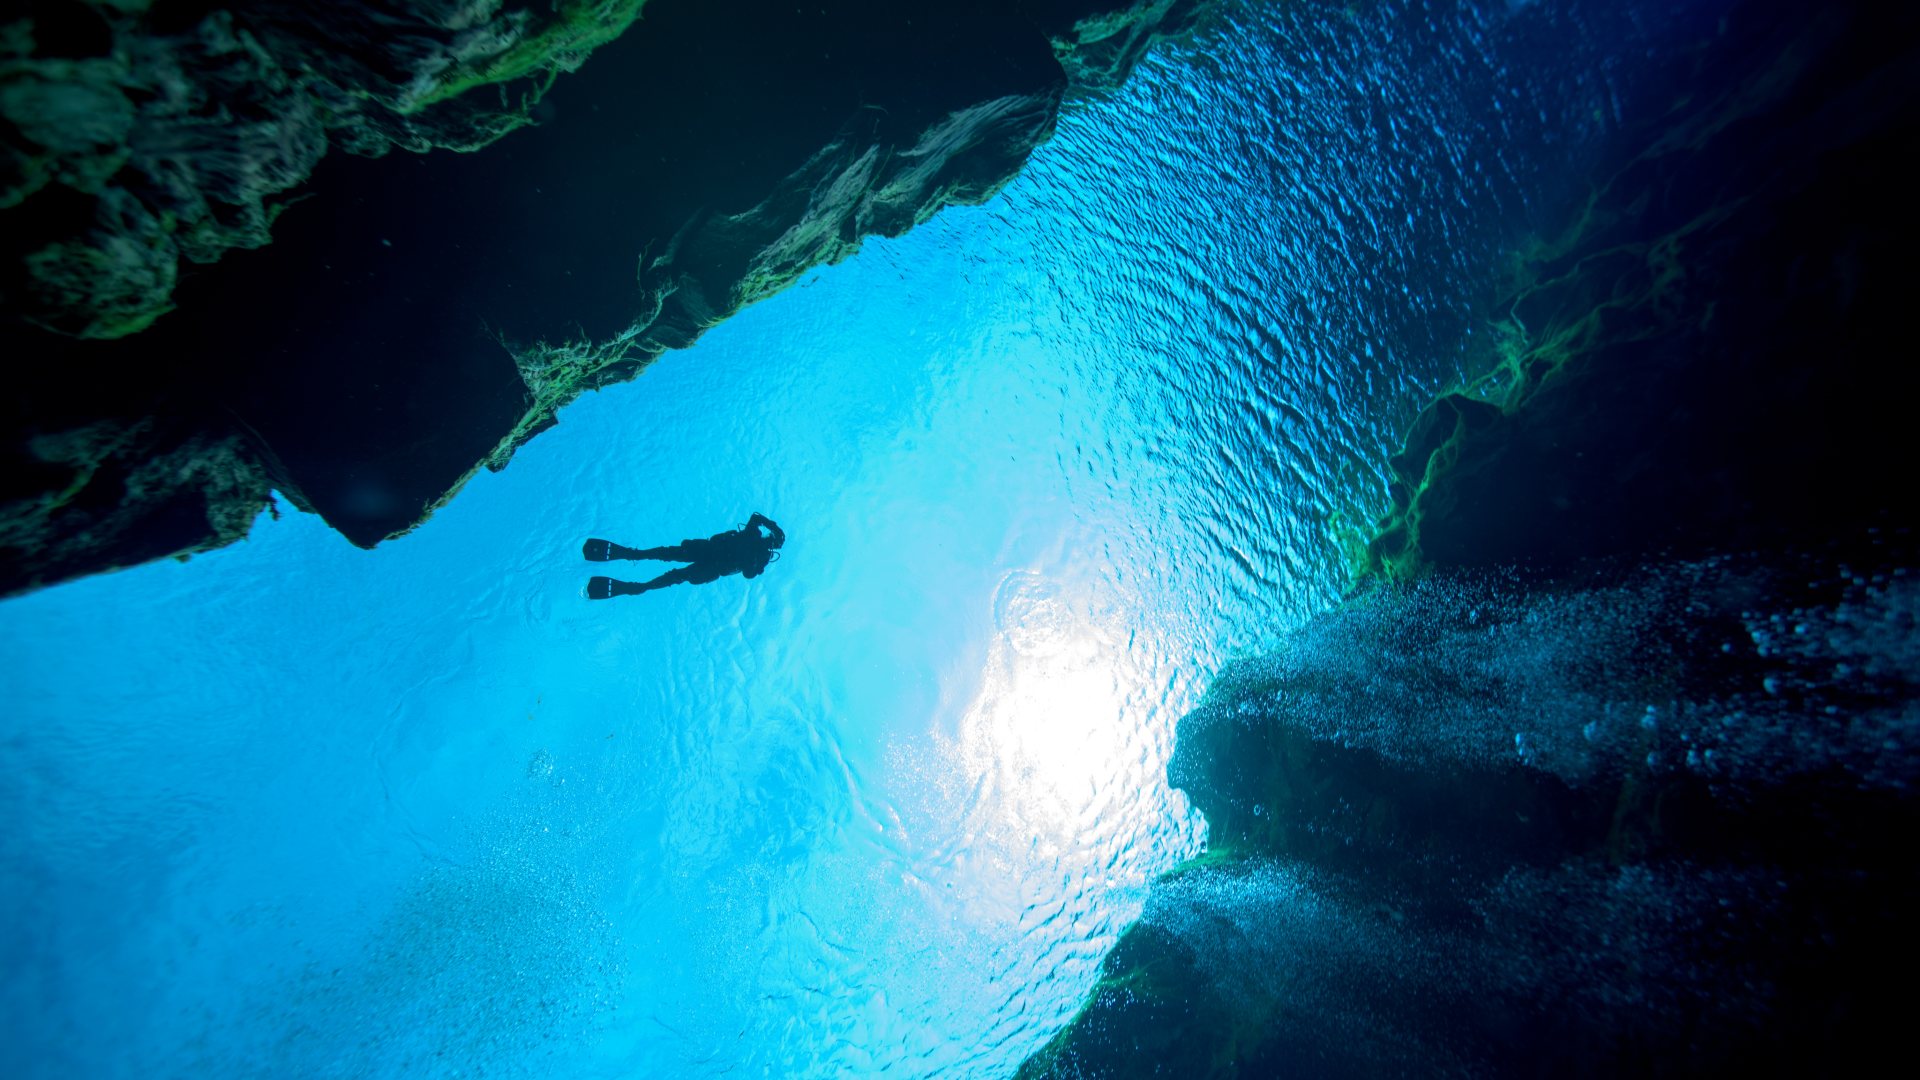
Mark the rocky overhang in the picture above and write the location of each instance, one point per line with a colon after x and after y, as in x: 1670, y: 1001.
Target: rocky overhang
x: 353, y: 252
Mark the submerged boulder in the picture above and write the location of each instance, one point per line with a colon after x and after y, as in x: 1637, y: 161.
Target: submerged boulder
x: 189, y: 266
x: 1476, y: 825
x: 1609, y: 762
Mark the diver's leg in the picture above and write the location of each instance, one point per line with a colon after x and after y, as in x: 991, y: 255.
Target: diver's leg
x: 701, y: 573
x: 597, y: 550
x: 677, y: 576
x: 684, y: 551
x: 606, y: 588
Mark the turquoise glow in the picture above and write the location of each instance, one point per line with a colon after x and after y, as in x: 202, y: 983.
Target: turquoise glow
x: 298, y: 809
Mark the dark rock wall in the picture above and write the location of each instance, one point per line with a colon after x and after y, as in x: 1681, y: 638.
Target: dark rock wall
x: 1711, y: 335
x: 137, y: 134
x: 1607, y: 767
x: 1483, y: 825
x: 418, y: 315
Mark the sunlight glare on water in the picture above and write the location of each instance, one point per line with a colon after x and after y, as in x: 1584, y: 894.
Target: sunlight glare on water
x: 297, y: 809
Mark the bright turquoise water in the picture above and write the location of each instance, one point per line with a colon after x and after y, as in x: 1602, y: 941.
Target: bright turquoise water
x: 298, y: 809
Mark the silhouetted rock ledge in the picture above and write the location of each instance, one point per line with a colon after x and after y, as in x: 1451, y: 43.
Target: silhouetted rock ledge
x: 1609, y: 764
x: 206, y: 299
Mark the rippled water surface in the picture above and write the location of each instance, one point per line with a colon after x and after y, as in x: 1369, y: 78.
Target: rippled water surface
x: 298, y: 809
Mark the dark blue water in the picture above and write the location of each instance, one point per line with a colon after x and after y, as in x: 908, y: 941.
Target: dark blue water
x: 298, y: 809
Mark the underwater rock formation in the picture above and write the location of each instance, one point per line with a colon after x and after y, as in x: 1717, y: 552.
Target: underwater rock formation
x: 417, y: 315
x: 1608, y: 763
x: 147, y: 133
x: 1475, y: 826
x: 1698, y: 362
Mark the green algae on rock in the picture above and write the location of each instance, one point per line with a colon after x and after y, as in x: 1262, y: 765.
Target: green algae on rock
x: 1718, y: 302
x: 533, y: 45
x: 177, y: 129
x: 860, y: 184
x: 149, y: 492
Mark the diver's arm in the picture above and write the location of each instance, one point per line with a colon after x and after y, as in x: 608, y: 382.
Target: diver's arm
x: 778, y: 536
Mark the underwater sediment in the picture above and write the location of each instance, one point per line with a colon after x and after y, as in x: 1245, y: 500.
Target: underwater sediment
x: 1607, y: 764
x: 233, y: 265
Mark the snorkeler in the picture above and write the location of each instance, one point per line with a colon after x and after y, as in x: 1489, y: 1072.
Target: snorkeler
x: 746, y: 551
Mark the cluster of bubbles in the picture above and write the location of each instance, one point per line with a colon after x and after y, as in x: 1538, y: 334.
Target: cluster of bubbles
x: 1736, y: 668
x: 1275, y: 942
x: 501, y: 956
x: 1781, y: 686
x: 1364, y: 984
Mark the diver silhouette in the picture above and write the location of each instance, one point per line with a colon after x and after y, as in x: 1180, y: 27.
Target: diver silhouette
x: 745, y: 550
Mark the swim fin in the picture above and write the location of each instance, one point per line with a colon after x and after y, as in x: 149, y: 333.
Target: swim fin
x: 600, y: 588
x: 598, y: 550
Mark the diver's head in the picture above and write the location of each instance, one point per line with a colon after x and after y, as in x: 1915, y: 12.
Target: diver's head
x: 774, y: 542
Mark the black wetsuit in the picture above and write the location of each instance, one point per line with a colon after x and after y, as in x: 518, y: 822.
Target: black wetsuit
x: 745, y: 551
